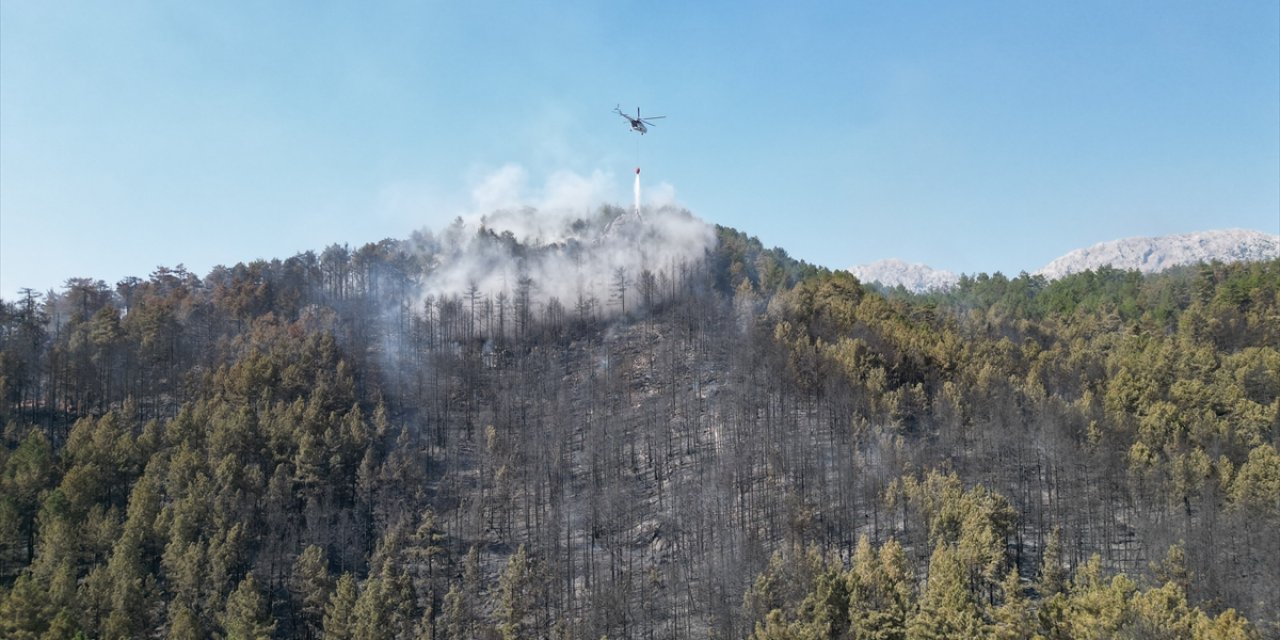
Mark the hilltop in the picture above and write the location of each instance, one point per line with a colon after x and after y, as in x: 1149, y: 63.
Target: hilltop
x: 572, y: 425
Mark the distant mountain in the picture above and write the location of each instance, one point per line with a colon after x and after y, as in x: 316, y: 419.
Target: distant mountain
x: 1147, y: 255
x: 1150, y: 255
x: 914, y: 277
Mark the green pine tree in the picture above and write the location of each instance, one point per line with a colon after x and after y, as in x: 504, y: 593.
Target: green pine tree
x: 515, y: 593
x: 246, y: 616
x: 1012, y: 619
x: 183, y: 623
x: 947, y: 609
x: 24, y: 610
x: 1052, y: 574
x: 339, y: 615
x: 312, y: 586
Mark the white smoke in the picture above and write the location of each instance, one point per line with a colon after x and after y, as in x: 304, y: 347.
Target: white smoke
x: 501, y: 189
x: 662, y: 195
x: 562, y: 238
x: 500, y: 199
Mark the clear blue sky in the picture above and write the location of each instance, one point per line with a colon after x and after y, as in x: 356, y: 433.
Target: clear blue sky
x: 971, y: 136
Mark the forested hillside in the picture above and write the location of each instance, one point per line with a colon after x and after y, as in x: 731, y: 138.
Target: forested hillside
x: 735, y: 445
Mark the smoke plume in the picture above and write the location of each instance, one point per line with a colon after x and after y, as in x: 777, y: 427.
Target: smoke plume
x: 559, y: 241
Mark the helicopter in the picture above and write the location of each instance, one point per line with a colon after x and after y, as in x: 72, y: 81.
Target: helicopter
x: 637, y: 123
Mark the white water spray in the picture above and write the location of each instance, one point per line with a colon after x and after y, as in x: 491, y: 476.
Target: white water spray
x: 637, y: 190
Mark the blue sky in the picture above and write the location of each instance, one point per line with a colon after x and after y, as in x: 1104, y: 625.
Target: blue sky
x: 971, y: 136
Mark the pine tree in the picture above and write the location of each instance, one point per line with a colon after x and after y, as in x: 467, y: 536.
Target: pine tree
x: 1096, y: 607
x: 1052, y: 573
x: 183, y: 623
x: 947, y: 610
x: 426, y: 624
x: 133, y: 593
x: 372, y: 615
x: 516, y: 590
x: 24, y: 610
x: 776, y: 627
x: 187, y: 571
x: 94, y: 596
x: 246, y: 616
x: 785, y: 581
x: 881, y: 597
x: 63, y: 626
x: 1227, y: 626
x: 458, y: 618
x: 1012, y: 619
x: 385, y: 608
x: 826, y: 610
x: 339, y: 615
x: 312, y: 586
x: 27, y: 473
x: 427, y: 551
x: 402, y: 601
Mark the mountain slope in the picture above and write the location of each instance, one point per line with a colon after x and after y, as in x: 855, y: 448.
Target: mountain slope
x: 1150, y: 255
x: 686, y: 451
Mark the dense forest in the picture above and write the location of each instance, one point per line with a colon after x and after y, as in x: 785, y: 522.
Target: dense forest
x: 733, y: 445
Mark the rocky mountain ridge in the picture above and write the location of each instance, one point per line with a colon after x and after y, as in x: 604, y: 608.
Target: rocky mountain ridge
x: 1151, y: 255
x: 1145, y: 254
x: 914, y: 277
